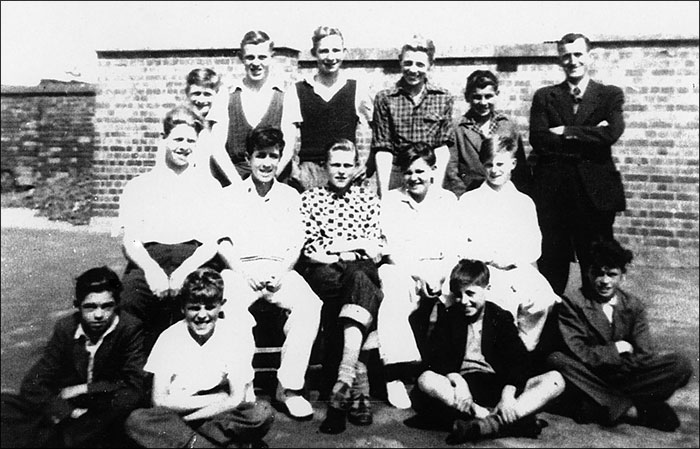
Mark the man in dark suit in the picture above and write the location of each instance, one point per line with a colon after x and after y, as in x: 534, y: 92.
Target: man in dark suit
x: 577, y: 188
x: 611, y: 369
x: 89, y: 378
x: 476, y: 379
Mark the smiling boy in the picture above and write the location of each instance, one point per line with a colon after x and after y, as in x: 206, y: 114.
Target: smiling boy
x: 201, y: 397
x: 261, y: 256
x: 480, y: 122
x: 476, y: 379
x: 413, y: 111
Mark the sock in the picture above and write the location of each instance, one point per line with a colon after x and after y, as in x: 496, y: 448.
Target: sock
x: 351, y: 354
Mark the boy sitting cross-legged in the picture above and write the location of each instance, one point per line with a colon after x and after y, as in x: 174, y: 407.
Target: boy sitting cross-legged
x: 202, y: 378
x: 477, y: 375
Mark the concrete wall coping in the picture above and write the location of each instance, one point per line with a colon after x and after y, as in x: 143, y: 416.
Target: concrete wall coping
x: 528, y: 50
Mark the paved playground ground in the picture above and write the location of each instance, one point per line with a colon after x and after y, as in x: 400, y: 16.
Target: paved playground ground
x: 40, y: 259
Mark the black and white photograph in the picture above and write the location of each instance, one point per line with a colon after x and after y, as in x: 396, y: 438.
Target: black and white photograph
x: 350, y: 224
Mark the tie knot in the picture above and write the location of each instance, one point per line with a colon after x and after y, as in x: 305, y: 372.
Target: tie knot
x: 576, y: 94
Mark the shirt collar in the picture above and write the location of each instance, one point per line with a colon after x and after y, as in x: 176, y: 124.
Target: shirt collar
x: 80, y: 332
x: 583, y: 84
x: 430, y: 88
x: 250, y: 189
x: 271, y: 83
x: 432, y: 195
x: 341, y: 81
x: 469, y: 119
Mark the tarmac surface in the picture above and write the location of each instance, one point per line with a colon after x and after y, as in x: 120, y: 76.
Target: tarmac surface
x: 670, y: 293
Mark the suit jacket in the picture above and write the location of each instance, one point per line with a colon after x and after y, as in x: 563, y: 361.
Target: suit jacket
x: 590, y: 337
x: 117, y: 371
x: 443, y: 351
x: 584, y: 143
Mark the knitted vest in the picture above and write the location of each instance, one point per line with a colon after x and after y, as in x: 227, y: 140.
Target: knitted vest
x: 239, y: 128
x: 325, y: 122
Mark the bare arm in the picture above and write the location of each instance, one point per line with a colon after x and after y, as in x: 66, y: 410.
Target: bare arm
x: 157, y: 280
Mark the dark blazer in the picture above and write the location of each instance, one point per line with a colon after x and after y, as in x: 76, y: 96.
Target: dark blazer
x: 117, y: 372
x: 465, y: 171
x: 443, y: 351
x: 590, y: 338
x: 584, y: 144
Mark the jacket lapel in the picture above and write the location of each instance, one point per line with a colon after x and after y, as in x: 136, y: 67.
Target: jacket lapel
x: 594, y: 314
x: 588, y: 103
x: 563, y: 103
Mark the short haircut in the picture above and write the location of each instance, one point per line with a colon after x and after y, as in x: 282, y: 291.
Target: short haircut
x: 419, y: 43
x: 497, y: 144
x: 419, y: 150
x: 97, y: 280
x: 469, y: 272
x: 320, y: 33
x: 202, y: 286
x: 570, y: 38
x: 480, y: 79
x: 609, y: 253
x: 182, y: 115
x: 264, y: 137
x: 204, y: 77
x: 342, y: 145
x: 255, y: 37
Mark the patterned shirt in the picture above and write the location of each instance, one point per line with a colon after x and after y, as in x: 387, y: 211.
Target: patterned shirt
x: 398, y: 122
x: 329, y: 216
x: 493, y: 123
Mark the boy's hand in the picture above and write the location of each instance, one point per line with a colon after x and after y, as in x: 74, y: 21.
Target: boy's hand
x: 623, y: 346
x: 158, y: 282
x: 506, y: 407
x: 78, y: 412
x: 73, y: 391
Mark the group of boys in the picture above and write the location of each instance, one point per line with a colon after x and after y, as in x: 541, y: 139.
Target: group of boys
x: 449, y: 285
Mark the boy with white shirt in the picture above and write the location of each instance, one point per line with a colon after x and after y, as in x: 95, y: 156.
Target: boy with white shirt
x: 331, y: 106
x: 418, y: 261
x: 202, y: 386
x: 255, y: 101
x: 261, y: 255
x: 500, y: 227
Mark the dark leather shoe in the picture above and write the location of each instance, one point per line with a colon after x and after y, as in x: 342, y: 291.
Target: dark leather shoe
x: 334, y: 422
x: 361, y: 411
x: 463, y: 431
x: 659, y: 416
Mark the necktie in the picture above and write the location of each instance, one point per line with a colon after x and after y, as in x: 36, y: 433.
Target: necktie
x: 576, y: 97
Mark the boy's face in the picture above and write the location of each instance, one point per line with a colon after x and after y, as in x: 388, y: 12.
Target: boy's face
x: 575, y: 59
x: 414, y: 67
x: 605, y: 281
x: 499, y: 169
x: 201, y: 318
x: 418, y: 178
x: 97, y: 312
x: 341, y: 168
x: 179, y: 146
x: 263, y: 164
x: 473, y: 298
x: 201, y: 97
x: 330, y: 53
x: 483, y: 100
x: 256, y: 60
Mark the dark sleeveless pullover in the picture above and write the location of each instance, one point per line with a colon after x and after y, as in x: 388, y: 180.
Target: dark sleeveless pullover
x: 325, y: 122
x: 239, y: 128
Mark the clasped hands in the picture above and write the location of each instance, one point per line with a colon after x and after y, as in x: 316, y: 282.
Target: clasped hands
x: 162, y: 285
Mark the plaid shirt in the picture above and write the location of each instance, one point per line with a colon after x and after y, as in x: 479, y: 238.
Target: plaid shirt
x: 494, y: 122
x: 329, y: 217
x: 398, y: 122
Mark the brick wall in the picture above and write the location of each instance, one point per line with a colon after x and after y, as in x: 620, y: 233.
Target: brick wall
x: 657, y: 154
x: 47, y: 130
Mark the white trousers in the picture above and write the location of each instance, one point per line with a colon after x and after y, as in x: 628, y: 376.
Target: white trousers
x: 302, y: 324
